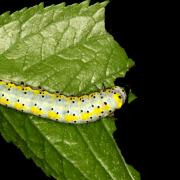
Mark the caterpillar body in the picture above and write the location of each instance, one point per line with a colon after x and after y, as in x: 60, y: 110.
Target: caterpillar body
x: 61, y: 108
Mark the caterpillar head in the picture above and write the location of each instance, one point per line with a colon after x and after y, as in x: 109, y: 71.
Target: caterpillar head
x: 121, y: 91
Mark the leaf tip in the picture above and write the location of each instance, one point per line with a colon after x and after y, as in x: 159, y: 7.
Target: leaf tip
x: 131, y: 97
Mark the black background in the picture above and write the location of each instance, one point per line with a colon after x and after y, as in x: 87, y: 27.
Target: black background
x: 130, y: 24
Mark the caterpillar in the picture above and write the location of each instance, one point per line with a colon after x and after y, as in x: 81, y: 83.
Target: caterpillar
x: 61, y: 108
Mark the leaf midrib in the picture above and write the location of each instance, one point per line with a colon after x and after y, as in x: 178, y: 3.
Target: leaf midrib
x: 122, y: 159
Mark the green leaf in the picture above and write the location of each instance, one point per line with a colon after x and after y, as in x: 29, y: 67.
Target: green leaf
x: 131, y: 96
x: 63, y: 48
